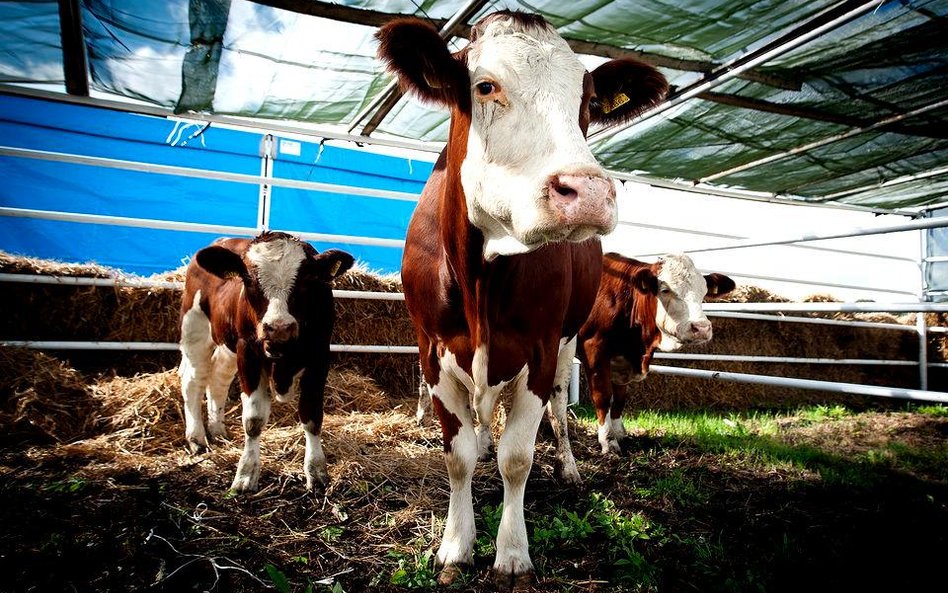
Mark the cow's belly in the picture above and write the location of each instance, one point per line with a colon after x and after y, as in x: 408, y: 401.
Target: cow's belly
x: 624, y: 372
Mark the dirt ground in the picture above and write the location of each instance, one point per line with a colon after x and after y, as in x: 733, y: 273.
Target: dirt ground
x: 99, y: 494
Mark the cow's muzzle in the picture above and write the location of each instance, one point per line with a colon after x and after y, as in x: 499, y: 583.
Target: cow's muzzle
x: 278, y: 337
x: 583, y: 201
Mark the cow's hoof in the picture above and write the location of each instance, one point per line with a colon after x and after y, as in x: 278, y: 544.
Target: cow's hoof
x: 197, y: 447
x: 449, y: 574
x: 317, y: 481
x: 568, y: 476
x: 217, y: 432
x: 510, y: 581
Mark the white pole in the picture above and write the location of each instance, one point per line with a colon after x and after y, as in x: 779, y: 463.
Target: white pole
x: 850, y: 388
x: 574, y: 382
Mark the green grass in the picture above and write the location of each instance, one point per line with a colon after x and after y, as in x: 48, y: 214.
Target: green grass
x: 754, y: 438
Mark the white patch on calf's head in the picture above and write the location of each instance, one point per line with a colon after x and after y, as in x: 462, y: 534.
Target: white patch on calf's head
x: 276, y: 265
x: 681, y: 290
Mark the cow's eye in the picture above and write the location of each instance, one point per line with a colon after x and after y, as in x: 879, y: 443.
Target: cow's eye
x: 485, y: 88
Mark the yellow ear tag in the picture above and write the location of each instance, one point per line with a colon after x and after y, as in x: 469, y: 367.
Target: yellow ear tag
x: 617, y: 102
x: 335, y: 268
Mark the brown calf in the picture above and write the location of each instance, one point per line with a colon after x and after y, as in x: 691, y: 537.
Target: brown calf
x: 263, y: 309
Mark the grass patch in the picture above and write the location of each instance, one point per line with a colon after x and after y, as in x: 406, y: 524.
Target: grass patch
x: 760, y: 438
x: 937, y: 411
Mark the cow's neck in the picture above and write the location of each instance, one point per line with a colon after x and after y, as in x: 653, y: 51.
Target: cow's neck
x: 463, y: 242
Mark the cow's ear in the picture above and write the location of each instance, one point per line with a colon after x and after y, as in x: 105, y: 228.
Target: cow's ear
x: 624, y: 89
x: 719, y: 284
x: 645, y: 281
x: 413, y: 50
x: 332, y: 263
x: 222, y: 262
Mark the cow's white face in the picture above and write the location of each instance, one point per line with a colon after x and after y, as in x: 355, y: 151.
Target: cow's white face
x: 276, y: 265
x: 679, y: 314
x: 529, y: 176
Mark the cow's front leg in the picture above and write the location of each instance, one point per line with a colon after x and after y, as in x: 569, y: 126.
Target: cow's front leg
x: 312, y: 387
x: 565, y: 466
x: 194, y: 371
x: 512, y: 566
x: 451, y: 403
x: 256, y: 413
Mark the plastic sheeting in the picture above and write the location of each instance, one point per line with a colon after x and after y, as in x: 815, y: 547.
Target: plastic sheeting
x: 245, y: 58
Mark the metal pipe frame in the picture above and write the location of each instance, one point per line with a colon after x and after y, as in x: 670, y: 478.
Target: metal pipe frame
x: 781, y: 359
x: 191, y: 227
x: 172, y: 346
x: 926, y: 223
x: 143, y: 283
x: 849, y: 388
x: 262, y: 180
x: 824, y: 141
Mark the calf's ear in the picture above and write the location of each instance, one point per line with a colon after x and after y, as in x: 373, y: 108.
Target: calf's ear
x: 645, y: 281
x: 413, y: 50
x: 624, y: 89
x: 332, y: 263
x: 719, y: 284
x: 221, y: 262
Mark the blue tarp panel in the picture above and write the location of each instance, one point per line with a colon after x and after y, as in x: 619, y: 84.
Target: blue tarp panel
x: 67, y: 187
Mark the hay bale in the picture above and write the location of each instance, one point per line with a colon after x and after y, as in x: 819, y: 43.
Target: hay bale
x: 42, y: 399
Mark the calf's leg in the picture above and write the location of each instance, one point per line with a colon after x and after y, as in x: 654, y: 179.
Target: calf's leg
x: 196, y: 350
x: 223, y: 368
x: 256, y: 413
x: 312, y: 386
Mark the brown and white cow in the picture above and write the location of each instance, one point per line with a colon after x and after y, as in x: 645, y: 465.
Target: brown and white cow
x: 501, y: 260
x: 261, y: 308
x: 640, y: 308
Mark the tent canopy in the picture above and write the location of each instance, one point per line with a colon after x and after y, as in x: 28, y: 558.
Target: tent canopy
x: 841, y: 102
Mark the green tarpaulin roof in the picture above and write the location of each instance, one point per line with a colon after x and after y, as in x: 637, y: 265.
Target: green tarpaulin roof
x: 842, y: 102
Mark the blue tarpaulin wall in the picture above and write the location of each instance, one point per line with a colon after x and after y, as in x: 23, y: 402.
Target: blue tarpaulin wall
x: 88, y: 189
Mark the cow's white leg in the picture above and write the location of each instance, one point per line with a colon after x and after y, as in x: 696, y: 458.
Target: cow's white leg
x: 256, y: 412
x: 608, y: 440
x: 515, y: 458
x: 314, y: 462
x: 452, y: 405
x: 194, y: 370
x: 223, y: 368
x: 565, y: 465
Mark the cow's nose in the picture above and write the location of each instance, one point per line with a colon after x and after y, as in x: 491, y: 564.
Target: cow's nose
x: 583, y: 200
x: 567, y: 188
x: 701, y: 329
x: 280, y: 331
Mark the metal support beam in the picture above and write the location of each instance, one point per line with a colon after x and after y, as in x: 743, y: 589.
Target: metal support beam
x: 75, y: 68
x: 826, y: 21
x: 885, y: 184
x: 932, y: 131
x: 825, y: 141
x: 850, y: 388
x: 915, y: 225
x: 374, y: 18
